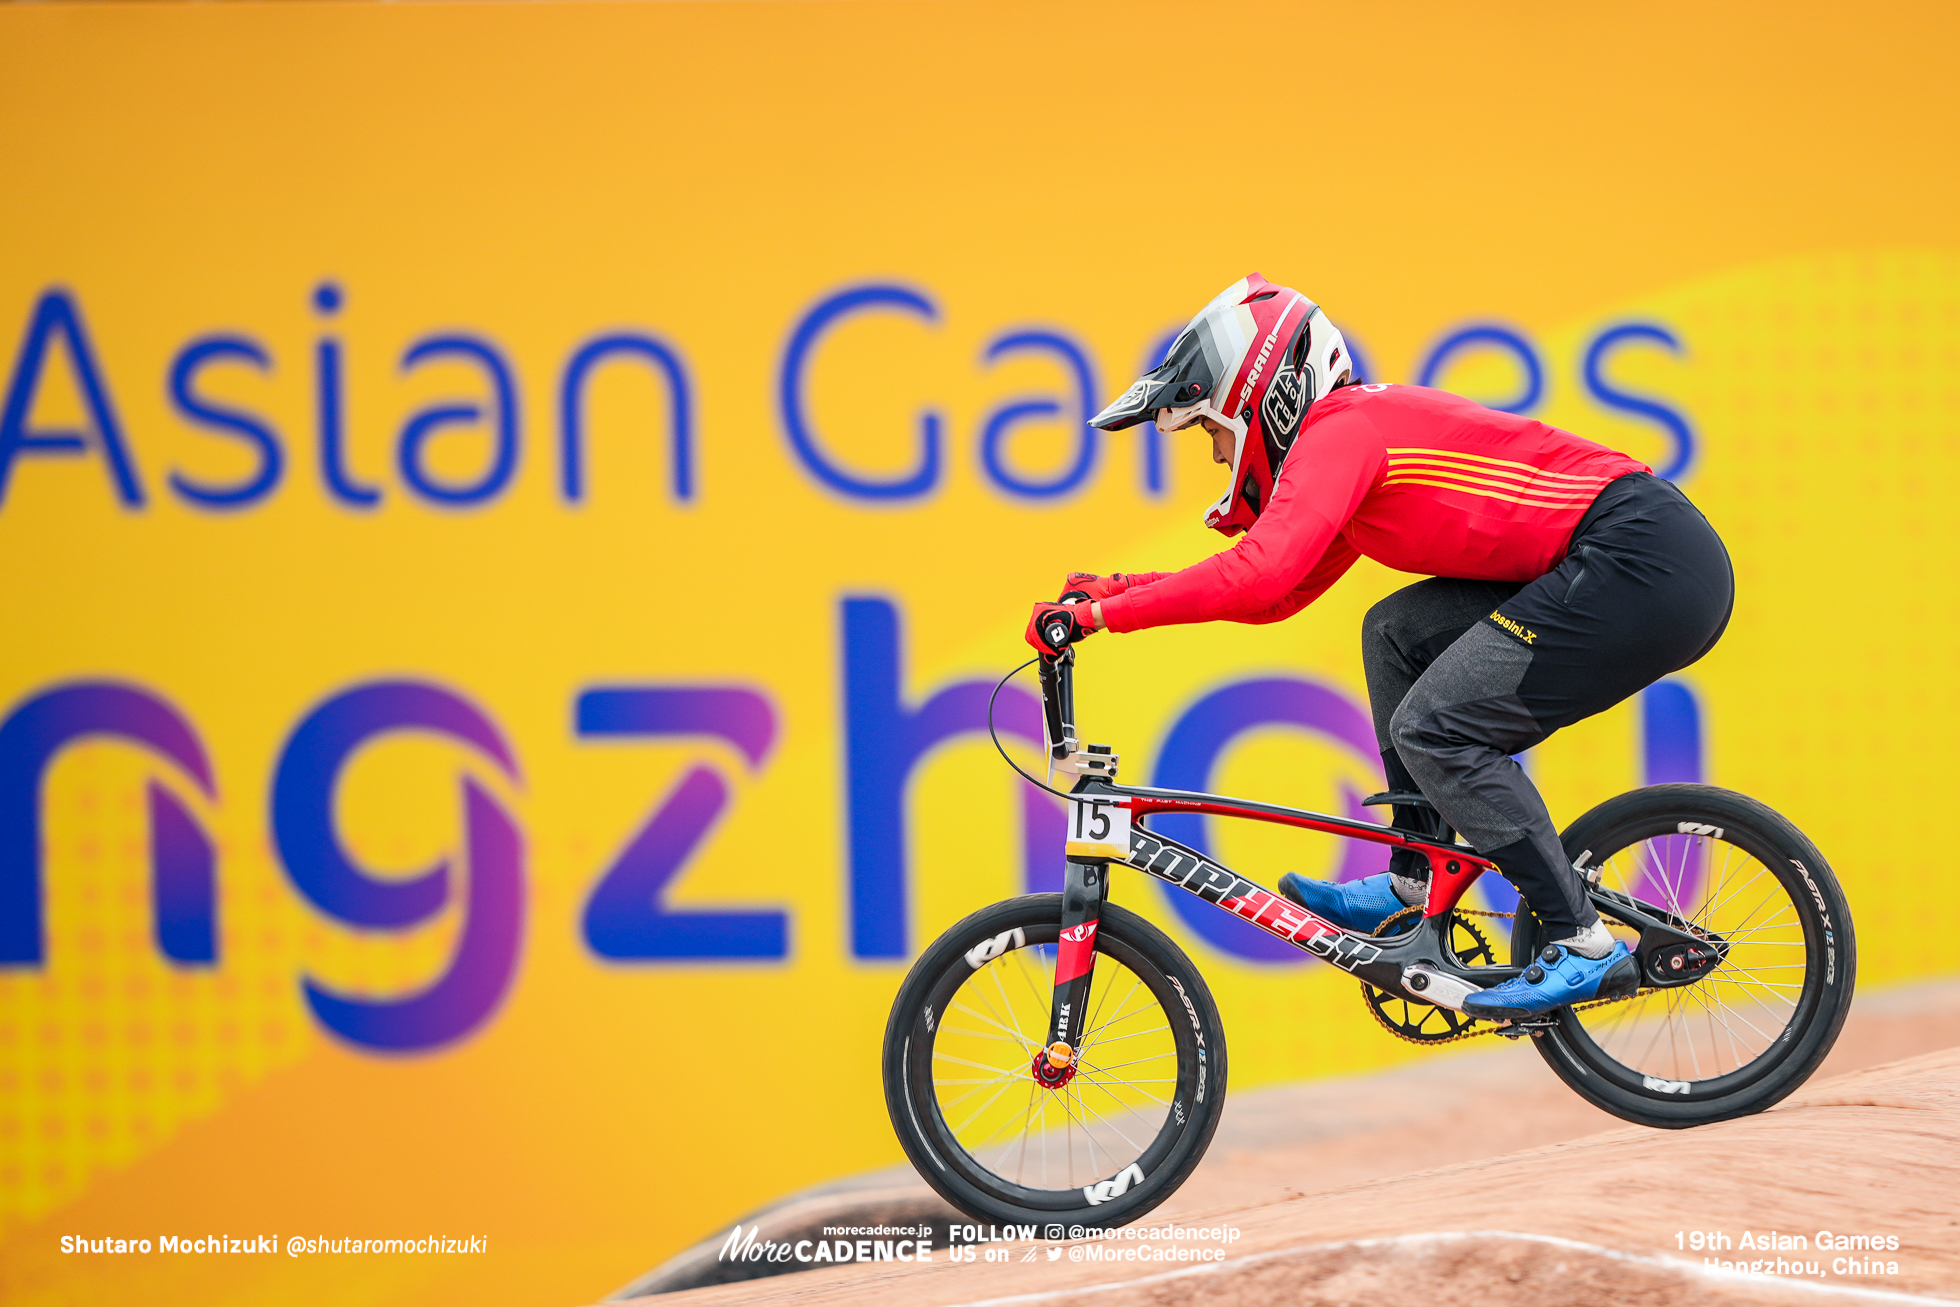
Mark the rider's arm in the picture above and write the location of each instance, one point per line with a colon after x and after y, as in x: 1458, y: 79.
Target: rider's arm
x: 1333, y: 565
x: 1291, y: 553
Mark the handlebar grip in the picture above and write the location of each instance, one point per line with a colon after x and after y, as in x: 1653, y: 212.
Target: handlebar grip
x: 1051, y: 708
x: 1058, y: 701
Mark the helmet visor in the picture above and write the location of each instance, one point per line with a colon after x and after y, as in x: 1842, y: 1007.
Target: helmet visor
x: 1187, y: 379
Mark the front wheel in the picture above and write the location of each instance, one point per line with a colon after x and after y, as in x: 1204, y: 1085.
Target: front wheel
x: 1103, y: 1147
x: 1754, y: 1028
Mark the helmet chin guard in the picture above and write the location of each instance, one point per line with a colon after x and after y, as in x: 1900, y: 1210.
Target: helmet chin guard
x: 1252, y: 361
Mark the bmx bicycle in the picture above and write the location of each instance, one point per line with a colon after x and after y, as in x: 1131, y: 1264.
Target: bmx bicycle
x: 1055, y: 1058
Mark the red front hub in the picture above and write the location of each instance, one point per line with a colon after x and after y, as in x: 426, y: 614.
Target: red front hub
x: 1047, y: 1074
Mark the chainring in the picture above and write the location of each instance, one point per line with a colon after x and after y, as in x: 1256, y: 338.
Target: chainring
x: 1425, y: 1023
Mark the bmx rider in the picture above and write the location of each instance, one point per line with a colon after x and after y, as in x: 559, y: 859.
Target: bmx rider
x: 1563, y: 577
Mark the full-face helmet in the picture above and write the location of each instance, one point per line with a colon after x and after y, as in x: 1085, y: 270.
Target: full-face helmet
x: 1251, y: 361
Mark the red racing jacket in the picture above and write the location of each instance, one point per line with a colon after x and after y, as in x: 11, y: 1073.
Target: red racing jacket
x: 1416, y: 479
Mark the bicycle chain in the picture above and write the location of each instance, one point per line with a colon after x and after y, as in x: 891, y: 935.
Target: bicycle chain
x: 1383, y: 1022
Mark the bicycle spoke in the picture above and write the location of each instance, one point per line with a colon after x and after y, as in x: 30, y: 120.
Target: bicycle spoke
x: 1714, y: 1015
x: 1722, y: 1011
x: 1714, y: 1044
x: 1659, y: 1028
x: 1010, y: 1122
x: 1657, y: 872
x: 1746, y: 976
x: 1135, y: 1148
x: 1102, y: 999
x: 967, y: 1061
x: 1069, y: 1104
x: 1025, y: 1041
x: 1021, y: 1166
x: 982, y: 1034
x: 1039, y: 979
x: 994, y: 973
x: 1136, y: 982
x: 1134, y: 1034
x: 1068, y: 1129
x: 1769, y: 895
x: 1673, y: 1032
x: 1730, y: 895
x: 1161, y: 1102
x: 1719, y: 883
x: 1744, y: 1020
x: 1148, y: 1057
x: 1005, y: 1086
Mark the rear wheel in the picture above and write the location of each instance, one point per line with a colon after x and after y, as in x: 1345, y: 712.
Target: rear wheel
x: 1101, y: 1148
x: 1753, y: 1029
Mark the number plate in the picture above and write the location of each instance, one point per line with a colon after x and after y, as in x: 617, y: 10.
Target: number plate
x: 1098, y: 828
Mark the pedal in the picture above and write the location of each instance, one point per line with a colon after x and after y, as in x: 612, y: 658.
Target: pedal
x: 1535, y: 1026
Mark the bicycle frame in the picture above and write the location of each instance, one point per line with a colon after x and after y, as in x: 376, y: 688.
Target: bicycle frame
x: 1418, y: 965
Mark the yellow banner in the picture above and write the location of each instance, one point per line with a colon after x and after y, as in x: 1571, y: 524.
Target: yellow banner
x: 512, y: 514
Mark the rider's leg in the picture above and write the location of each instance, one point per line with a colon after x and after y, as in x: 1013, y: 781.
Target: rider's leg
x: 1400, y: 637
x: 1645, y: 590
x: 1456, y: 731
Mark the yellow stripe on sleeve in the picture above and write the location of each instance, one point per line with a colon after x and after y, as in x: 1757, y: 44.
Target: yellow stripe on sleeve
x: 1448, y: 455
x: 1526, y: 500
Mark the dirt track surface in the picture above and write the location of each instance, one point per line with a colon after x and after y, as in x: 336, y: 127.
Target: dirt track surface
x: 1480, y: 1179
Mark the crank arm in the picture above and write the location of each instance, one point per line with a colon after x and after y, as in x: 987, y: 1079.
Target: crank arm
x: 1418, y: 967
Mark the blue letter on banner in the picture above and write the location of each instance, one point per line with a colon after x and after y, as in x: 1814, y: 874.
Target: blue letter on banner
x: 426, y: 423
x: 997, y: 426
x: 196, y: 408
x: 571, y: 409
x: 625, y: 918
x: 790, y: 395
x: 57, y: 315
x: 884, y: 742
x: 1502, y: 337
x: 1596, y: 384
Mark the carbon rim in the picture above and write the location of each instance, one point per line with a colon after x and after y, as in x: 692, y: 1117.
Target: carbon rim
x: 1740, y: 1022
x: 1110, y: 1127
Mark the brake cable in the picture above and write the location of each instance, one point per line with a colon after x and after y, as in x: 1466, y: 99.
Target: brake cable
x: 1060, y: 794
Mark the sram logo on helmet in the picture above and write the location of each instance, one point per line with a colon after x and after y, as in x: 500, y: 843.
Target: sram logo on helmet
x: 1264, y: 351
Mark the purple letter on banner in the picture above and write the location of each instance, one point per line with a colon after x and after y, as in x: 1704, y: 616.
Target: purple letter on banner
x: 625, y: 918
x: 493, y: 911
x: 183, y: 864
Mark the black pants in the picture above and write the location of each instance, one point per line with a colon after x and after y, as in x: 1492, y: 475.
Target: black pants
x: 1463, y: 674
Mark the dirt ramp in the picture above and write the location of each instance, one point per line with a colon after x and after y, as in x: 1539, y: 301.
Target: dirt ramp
x: 1598, y: 1219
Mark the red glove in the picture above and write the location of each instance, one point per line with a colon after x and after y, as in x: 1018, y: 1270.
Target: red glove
x: 1054, y: 627
x: 1091, y: 586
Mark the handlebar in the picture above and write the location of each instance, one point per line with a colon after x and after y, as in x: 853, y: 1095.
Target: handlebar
x: 1058, y: 701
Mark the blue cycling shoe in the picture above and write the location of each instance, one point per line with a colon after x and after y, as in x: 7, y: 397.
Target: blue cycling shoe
x: 1357, y: 905
x: 1556, y: 977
